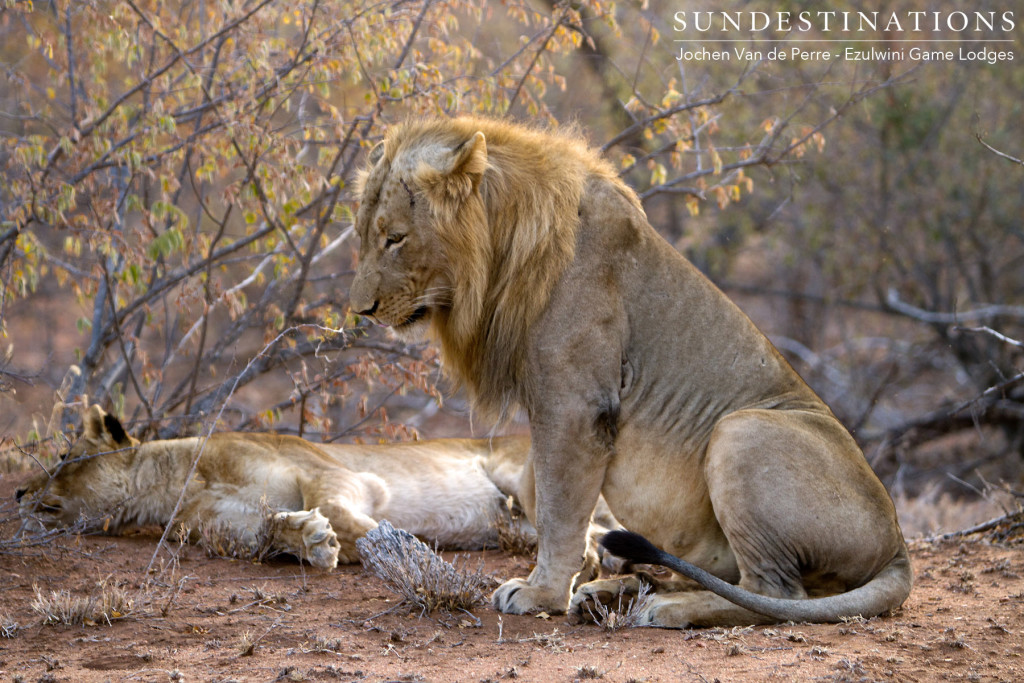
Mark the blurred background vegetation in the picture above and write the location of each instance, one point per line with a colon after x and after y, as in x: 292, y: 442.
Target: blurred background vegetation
x: 176, y: 207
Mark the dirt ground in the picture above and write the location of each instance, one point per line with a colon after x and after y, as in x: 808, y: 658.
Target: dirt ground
x: 210, y: 619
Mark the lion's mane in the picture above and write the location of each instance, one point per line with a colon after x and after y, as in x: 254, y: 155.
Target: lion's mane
x: 506, y: 245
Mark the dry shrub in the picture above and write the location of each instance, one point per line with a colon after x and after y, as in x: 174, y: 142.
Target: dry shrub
x: 411, y: 569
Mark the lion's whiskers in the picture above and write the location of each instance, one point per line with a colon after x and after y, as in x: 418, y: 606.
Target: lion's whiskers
x: 433, y: 296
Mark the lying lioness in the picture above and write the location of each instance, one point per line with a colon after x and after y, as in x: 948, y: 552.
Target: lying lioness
x: 322, y: 497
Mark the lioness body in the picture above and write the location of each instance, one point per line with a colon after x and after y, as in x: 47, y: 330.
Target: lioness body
x: 535, y: 269
x: 322, y: 496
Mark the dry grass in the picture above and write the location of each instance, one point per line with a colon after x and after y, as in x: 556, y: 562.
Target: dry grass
x: 218, y: 539
x: 419, y: 575
x: 8, y: 626
x: 514, y: 537
x: 586, y: 672
x: 625, y: 612
x: 935, y: 512
x: 247, y: 644
x: 64, y: 608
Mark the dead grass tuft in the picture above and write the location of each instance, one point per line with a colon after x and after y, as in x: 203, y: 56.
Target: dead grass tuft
x: 515, y: 537
x: 218, y: 539
x: 626, y: 612
x: 8, y: 626
x: 247, y: 644
x: 64, y: 608
x: 411, y: 569
x: 587, y: 672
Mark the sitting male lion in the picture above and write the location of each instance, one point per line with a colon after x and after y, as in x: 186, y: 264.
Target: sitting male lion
x: 534, y: 268
x: 322, y: 497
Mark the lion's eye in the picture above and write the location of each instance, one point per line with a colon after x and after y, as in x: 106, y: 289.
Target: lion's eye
x: 392, y: 240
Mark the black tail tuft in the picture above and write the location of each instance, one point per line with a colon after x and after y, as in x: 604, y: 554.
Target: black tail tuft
x: 631, y: 546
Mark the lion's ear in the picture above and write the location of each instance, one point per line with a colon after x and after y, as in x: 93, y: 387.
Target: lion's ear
x: 376, y: 153
x: 459, y: 173
x: 470, y: 158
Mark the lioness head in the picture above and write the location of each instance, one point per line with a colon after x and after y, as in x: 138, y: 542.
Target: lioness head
x: 90, y: 481
x: 418, y: 223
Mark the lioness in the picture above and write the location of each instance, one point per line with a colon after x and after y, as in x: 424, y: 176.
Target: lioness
x: 533, y: 266
x: 322, y: 497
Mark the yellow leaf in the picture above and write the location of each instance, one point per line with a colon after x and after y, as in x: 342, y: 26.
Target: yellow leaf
x: 658, y: 175
x: 716, y: 160
x: 693, y: 205
x: 721, y: 197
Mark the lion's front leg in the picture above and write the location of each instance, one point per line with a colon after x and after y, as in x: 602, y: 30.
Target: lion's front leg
x: 306, y: 534
x: 569, y: 471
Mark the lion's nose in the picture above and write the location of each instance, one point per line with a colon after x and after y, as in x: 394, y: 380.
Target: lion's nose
x: 371, y: 310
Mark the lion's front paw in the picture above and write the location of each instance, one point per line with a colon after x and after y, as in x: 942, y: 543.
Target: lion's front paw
x: 517, y: 596
x: 613, y: 594
x: 308, y: 535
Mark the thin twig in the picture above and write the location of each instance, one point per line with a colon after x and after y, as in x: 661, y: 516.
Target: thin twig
x: 997, y: 152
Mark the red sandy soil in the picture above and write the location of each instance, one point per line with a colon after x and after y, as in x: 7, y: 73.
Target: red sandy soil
x: 210, y: 619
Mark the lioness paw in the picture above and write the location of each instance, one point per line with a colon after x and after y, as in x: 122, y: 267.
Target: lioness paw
x: 308, y: 535
x: 517, y: 596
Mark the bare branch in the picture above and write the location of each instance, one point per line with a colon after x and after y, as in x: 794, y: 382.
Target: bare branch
x: 997, y: 152
x: 893, y: 301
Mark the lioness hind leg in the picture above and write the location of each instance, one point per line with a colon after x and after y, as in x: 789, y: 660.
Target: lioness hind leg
x: 308, y: 535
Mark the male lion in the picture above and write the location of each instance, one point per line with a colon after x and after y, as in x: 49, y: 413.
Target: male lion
x: 533, y: 266
x: 321, y: 497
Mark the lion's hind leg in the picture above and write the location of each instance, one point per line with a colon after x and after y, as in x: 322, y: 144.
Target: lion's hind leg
x: 675, y: 602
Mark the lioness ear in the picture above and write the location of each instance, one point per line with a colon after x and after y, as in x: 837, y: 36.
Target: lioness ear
x: 115, y: 430
x: 101, y: 427
x: 92, y: 423
x: 459, y: 173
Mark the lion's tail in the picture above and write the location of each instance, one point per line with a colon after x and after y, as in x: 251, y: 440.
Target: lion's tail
x: 885, y: 591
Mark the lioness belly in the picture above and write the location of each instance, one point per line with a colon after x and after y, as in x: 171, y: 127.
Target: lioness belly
x: 457, y: 508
